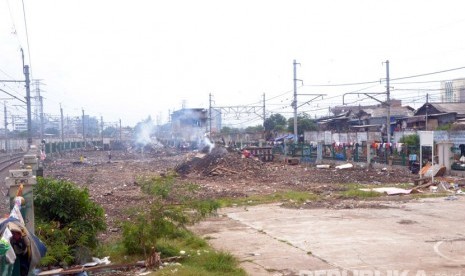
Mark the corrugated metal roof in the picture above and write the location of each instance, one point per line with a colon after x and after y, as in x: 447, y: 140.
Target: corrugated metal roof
x: 459, y: 108
x: 395, y: 111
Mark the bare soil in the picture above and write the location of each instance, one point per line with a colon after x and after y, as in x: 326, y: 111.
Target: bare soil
x: 114, y: 183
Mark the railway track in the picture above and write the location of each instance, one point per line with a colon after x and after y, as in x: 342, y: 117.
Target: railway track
x: 6, y: 161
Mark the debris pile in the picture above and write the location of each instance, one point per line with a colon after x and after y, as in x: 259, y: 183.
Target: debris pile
x: 220, y: 162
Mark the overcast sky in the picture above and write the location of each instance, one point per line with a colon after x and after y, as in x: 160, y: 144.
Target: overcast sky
x: 131, y: 59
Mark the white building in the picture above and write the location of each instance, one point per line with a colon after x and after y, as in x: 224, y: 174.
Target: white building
x: 453, y: 91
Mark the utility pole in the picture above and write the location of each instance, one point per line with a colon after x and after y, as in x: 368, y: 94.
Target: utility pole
x: 210, y: 113
x: 62, y: 125
x: 28, y: 103
x: 41, y: 118
x: 294, y: 103
x: 264, y: 113
x: 12, y: 122
x: 6, y: 127
x: 426, y: 108
x: 28, y: 100
x: 120, y: 131
x: 83, y: 128
x: 388, y: 102
x: 101, y: 127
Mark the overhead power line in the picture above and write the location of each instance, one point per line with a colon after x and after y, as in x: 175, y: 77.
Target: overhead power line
x: 392, y: 79
x: 428, y: 74
x: 12, y: 95
x: 27, y: 38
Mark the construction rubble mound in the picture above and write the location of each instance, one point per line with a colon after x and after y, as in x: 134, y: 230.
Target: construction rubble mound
x: 220, y: 162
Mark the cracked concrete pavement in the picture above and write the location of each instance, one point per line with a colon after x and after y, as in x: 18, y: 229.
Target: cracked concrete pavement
x: 421, y: 236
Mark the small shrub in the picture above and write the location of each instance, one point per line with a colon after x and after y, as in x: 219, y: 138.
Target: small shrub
x: 67, y: 220
x: 171, y: 210
x: 218, y: 262
x: 411, y: 140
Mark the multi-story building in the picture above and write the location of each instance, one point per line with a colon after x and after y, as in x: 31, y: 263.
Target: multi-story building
x: 453, y: 91
x: 189, y: 124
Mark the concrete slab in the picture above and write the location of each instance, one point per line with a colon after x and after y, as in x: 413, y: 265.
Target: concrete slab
x: 424, y: 236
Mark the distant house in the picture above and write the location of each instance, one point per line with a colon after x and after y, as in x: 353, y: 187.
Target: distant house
x: 189, y: 124
x: 364, y: 118
x: 338, y: 123
x: 431, y: 115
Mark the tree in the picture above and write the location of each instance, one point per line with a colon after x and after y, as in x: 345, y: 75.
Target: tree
x: 304, y: 123
x: 411, y: 140
x: 274, y: 122
x: 230, y: 130
x: 109, y: 132
x: 252, y: 129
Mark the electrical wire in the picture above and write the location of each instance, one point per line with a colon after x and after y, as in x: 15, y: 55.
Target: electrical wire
x: 428, y: 74
x: 379, y: 81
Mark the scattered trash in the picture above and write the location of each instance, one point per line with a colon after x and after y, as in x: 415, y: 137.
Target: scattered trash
x: 442, y: 187
x: 345, y: 166
x: 451, y: 197
x: 390, y: 190
x: 435, y: 170
x: 323, y: 166
x: 97, y: 261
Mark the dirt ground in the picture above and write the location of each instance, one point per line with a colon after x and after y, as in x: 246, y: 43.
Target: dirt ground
x: 114, y: 183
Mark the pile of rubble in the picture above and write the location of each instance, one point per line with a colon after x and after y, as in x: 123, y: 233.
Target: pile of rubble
x: 220, y: 162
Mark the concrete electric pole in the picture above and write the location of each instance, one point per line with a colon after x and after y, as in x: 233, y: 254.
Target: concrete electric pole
x: 83, y: 128
x: 294, y: 103
x: 388, y: 103
x: 62, y: 125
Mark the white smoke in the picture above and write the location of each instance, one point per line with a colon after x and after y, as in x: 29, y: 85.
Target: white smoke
x: 144, y: 134
x: 208, y: 143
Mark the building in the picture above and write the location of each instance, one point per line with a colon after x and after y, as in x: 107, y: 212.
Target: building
x: 216, y: 120
x: 363, y: 118
x: 20, y: 125
x: 453, y: 91
x: 189, y: 124
x: 431, y: 115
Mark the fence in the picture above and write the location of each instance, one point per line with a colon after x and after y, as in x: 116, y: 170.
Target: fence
x: 379, y: 153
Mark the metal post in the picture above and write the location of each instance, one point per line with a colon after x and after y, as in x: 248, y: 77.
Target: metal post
x: 6, y: 127
x: 83, y: 128
x: 41, y: 118
x: 28, y: 103
x: 210, y: 113
x: 388, y: 102
x: 101, y: 128
x: 264, y: 113
x: 294, y: 103
x: 62, y: 125
x: 120, y: 131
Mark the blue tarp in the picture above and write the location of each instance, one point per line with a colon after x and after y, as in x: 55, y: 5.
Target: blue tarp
x: 284, y: 137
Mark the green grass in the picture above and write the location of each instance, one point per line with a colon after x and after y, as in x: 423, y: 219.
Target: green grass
x: 357, y: 193
x: 287, y: 196
x: 204, y: 262
x: 199, y: 258
x: 430, y: 195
